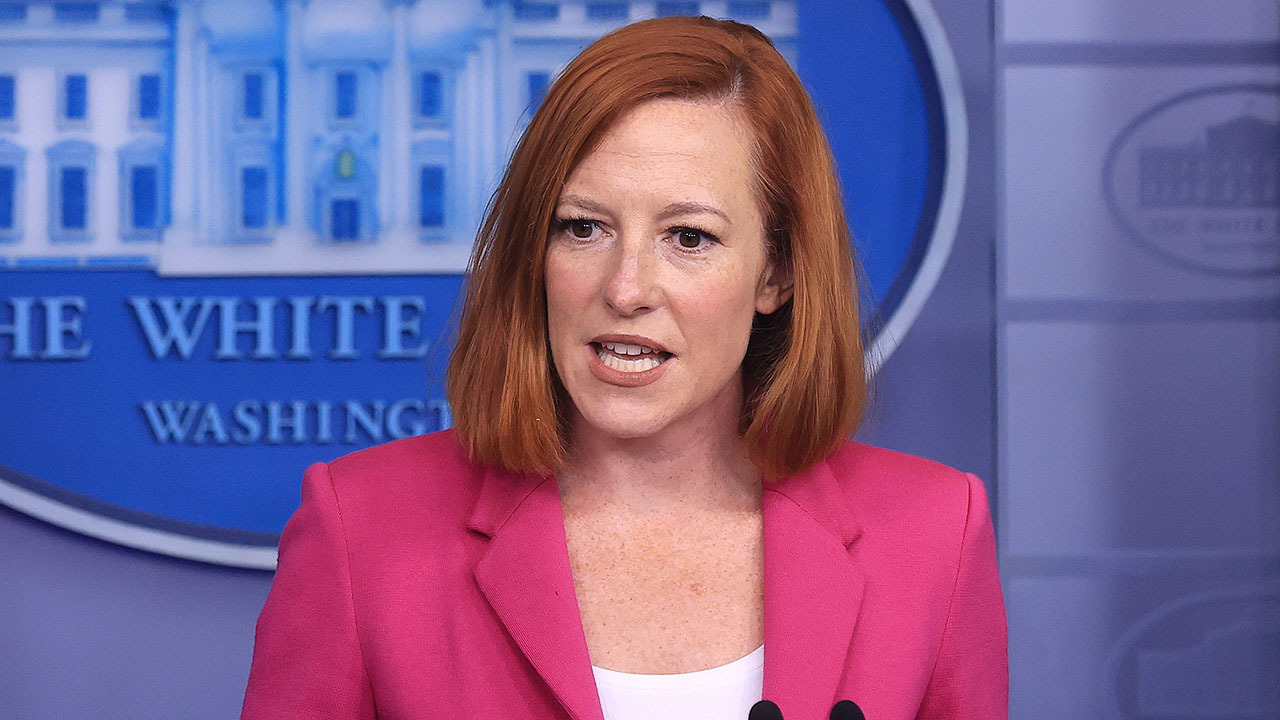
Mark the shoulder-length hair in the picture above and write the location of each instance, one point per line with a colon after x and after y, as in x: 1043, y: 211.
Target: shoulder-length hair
x: 803, y: 373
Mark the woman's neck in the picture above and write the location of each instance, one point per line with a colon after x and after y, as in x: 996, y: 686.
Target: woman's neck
x: 702, y: 467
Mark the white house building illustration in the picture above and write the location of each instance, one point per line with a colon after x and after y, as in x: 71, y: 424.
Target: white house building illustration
x: 228, y: 137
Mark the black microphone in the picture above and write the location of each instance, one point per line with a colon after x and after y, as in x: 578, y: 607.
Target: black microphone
x: 764, y: 710
x: 847, y: 710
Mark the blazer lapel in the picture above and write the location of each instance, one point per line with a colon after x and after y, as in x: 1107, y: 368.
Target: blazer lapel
x: 812, y: 589
x: 812, y: 592
x: 526, y: 577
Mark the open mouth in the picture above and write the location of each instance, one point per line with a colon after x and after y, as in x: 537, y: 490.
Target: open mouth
x: 625, y: 357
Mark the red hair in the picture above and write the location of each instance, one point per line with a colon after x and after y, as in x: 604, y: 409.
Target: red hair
x: 803, y: 374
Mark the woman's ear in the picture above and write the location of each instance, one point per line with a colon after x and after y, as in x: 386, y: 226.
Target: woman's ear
x: 774, y: 289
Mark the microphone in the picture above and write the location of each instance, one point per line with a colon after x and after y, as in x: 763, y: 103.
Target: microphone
x: 847, y: 710
x: 764, y: 710
x: 843, y: 710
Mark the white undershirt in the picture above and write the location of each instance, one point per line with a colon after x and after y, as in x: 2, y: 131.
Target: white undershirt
x: 719, y: 693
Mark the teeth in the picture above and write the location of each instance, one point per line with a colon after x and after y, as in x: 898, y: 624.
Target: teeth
x: 617, y: 363
x: 625, y: 349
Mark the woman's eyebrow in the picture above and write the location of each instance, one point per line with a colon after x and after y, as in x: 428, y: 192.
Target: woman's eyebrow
x: 692, y: 208
x: 584, y: 203
x: 668, y: 212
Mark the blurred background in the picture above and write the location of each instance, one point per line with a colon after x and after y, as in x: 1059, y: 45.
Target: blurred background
x: 231, y: 233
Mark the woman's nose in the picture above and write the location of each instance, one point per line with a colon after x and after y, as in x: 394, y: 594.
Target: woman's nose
x: 631, y: 285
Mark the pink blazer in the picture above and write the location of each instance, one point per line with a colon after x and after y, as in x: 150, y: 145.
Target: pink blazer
x: 414, y: 583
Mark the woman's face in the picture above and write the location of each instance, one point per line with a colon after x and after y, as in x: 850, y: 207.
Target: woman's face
x: 656, y: 264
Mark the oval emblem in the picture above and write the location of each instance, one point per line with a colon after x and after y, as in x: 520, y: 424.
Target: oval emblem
x: 227, y: 260
x: 1195, y: 179
x: 1212, y: 655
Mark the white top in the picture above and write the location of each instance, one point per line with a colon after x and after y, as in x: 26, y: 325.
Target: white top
x: 719, y: 693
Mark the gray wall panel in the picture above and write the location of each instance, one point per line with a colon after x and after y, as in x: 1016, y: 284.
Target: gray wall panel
x: 1062, y: 240
x: 1123, y: 437
x: 1139, y: 357
x: 1143, y: 21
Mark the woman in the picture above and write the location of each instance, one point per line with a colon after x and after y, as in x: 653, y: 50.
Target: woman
x: 648, y: 507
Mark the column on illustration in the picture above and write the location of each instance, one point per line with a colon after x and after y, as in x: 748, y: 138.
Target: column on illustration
x: 295, y: 231
x: 396, y: 127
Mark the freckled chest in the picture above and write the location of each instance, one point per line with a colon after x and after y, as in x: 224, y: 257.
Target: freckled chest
x: 667, y: 592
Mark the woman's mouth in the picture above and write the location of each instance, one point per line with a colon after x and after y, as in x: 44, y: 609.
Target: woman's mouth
x: 628, y: 358
x: 627, y: 364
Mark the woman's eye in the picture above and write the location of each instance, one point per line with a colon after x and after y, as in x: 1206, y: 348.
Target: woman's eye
x: 689, y: 238
x: 581, y: 229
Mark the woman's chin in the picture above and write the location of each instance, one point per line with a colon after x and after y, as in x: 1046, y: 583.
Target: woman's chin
x: 622, y: 424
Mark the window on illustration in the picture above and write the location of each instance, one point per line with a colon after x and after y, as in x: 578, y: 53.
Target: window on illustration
x: 604, y: 11
x: 77, y: 97
x: 749, y: 9
x: 344, y: 219
x: 149, y: 97
x: 140, y: 12
x: 13, y: 12
x: 431, y: 197
x: 346, y: 95
x: 8, y: 101
x: 75, y: 12
x: 430, y: 95
x: 253, y: 201
x: 74, y: 206
x: 144, y: 186
x: 537, y: 11
x: 253, y: 96
x: 666, y: 9
x: 8, y: 195
x: 536, y: 84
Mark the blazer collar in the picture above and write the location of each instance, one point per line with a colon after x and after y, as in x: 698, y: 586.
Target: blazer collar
x: 812, y: 589
x: 525, y: 575
x: 812, y: 592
